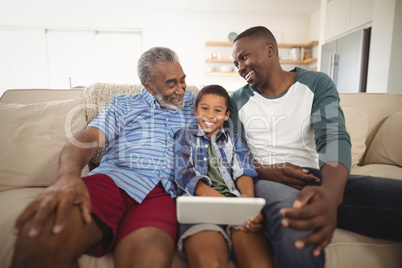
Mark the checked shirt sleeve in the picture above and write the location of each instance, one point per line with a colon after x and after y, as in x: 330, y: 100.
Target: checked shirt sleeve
x: 243, y: 162
x: 186, y: 174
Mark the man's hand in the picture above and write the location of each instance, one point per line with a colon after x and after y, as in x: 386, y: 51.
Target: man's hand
x: 58, y: 198
x: 314, y: 209
x: 286, y: 173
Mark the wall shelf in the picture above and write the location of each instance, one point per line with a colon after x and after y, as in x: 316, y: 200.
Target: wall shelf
x: 219, y: 60
x: 225, y: 45
x: 222, y: 73
x: 307, y: 61
x: 310, y: 44
x: 218, y: 44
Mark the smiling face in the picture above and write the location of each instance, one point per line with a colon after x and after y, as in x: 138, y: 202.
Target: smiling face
x: 169, y: 85
x: 254, y: 60
x: 211, y: 112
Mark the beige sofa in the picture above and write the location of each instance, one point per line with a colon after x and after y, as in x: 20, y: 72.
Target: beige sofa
x: 36, y: 123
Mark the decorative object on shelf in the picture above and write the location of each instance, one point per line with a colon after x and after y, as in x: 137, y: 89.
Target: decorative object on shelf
x: 226, y: 68
x: 296, y: 53
x: 215, y: 55
x: 232, y: 36
x: 307, y: 56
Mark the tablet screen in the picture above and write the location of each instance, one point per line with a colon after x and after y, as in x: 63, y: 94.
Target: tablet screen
x: 217, y: 210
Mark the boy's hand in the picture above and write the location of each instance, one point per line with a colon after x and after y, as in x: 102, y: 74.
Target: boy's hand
x: 253, y: 224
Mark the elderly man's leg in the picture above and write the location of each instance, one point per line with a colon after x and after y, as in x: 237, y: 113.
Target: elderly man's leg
x: 58, y: 250
x: 147, y: 233
x: 145, y: 247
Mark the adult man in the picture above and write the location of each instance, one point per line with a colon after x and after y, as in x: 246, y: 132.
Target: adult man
x: 295, y: 129
x: 125, y: 204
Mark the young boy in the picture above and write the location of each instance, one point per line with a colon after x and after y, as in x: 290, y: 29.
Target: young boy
x: 213, y: 162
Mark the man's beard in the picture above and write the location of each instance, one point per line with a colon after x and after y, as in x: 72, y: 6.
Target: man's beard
x: 166, y: 102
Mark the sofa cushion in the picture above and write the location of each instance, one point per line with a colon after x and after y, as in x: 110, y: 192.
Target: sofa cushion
x: 378, y: 170
x: 356, y: 119
x: 386, y: 146
x: 12, y: 203
x: 358, y: 249
x: 32, y: 137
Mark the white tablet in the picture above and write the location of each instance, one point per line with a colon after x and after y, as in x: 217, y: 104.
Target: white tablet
x: 217, y: 210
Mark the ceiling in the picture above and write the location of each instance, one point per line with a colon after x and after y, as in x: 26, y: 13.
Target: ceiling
x: 305, y: 7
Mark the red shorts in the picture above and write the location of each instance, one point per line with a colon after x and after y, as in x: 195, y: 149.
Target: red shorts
x: 114, y: 207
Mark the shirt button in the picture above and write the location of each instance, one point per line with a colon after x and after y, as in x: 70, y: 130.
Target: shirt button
x: 167, y: 119
x: 167, y: 155
x: 161, y: 176
x: 206, y: 146
x: 205, y: 159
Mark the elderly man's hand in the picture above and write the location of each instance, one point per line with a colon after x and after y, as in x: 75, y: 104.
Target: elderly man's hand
x: 58, y: 198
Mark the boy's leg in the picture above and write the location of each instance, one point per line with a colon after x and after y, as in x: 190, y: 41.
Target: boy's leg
x: 252, y: 249
x: 146, y: 237
x: 206, y: 249
x: 282, y: 239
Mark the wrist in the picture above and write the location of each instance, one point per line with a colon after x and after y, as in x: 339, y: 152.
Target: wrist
x: 334, y: 178
x: 247, y: 195
x: 68, y: 175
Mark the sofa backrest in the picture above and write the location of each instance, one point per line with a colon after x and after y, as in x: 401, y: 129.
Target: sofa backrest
x: 29, y: 96
x: 379, y: 106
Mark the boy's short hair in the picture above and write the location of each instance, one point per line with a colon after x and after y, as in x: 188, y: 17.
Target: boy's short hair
x: 215, y: 90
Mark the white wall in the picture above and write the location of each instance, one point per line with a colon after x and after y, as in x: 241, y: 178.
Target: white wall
x: 394, y: 83
x: 315, y: 25
x: 381, y: 46
x: 183, y: 31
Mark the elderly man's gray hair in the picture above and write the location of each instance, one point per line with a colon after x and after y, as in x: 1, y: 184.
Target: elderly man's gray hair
x: 145, y: 67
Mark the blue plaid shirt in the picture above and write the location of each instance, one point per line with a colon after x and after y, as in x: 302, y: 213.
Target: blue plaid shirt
x: 191, y: 159
x: 139, y: 149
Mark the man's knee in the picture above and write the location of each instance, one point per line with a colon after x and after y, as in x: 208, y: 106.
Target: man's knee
x: 276, y: 192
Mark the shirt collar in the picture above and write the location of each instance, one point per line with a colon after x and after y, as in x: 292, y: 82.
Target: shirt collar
x: 201, y: 133
x: 149, y: 99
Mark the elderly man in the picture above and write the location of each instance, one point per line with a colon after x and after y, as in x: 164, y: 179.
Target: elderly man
x: 125, y: 204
